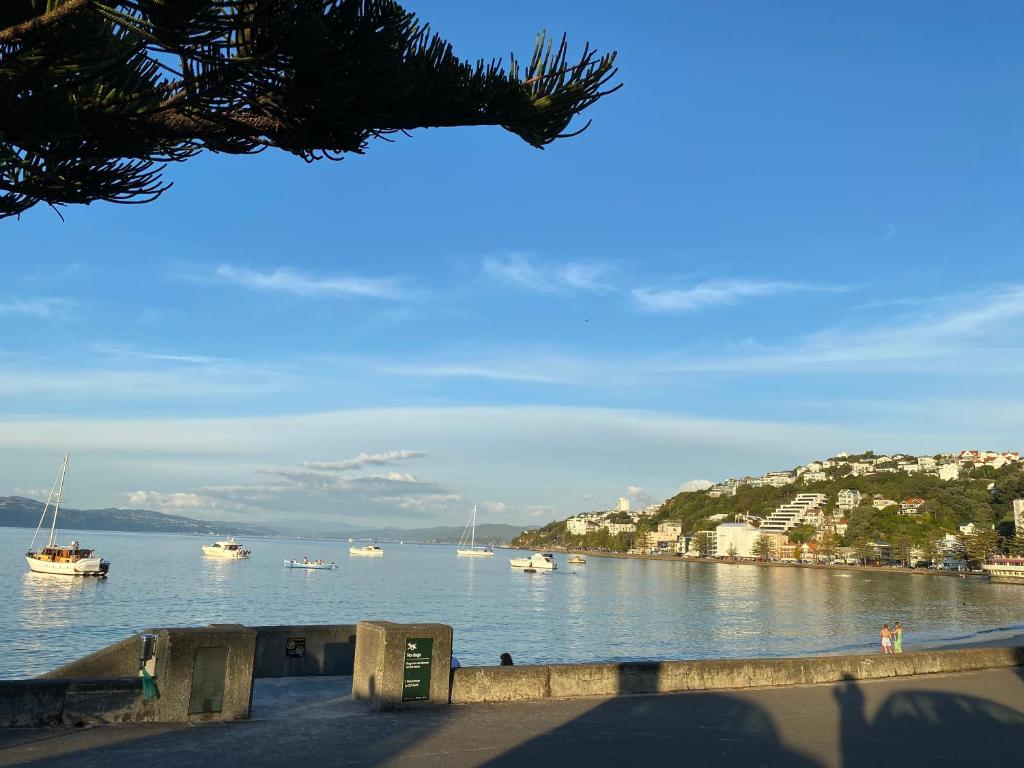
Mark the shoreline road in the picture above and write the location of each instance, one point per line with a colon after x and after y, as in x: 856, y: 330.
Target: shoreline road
x: 968, y: 718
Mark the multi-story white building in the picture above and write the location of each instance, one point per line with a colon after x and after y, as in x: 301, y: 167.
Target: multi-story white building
x: 950, y: 471
x: 581, y: 525
x: 858, y: 468
x: 910, y: 467
x: 622, y: 505
x: 927, y: 462
x: 779, y: 479
x: 878, y: 502
x: 616, y: 528
x: 848, y: 499
x: 1018, y: 516
x: 793, y: 513
x: 814, y: 476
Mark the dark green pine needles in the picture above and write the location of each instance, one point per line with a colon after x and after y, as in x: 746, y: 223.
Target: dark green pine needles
x: 95, y: 97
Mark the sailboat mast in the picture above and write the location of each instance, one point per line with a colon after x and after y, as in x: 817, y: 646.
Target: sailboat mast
x: 473, y: 534
x: 60, y: 492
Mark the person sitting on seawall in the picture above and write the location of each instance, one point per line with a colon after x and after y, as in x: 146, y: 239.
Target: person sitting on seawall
x: 455, y: 662
x: 506, y: 660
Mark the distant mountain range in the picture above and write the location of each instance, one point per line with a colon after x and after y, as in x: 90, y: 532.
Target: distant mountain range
x: 19, y: 512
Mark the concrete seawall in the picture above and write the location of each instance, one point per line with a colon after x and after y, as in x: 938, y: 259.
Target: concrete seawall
x: 559, y: 681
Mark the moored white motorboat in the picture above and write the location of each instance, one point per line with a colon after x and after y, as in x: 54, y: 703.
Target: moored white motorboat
x: 577, y: 560
x: 467, y: 544
x: 539, y: 560
x: 71, y: 560
x: 370, y: 550
x: 228, y: 549
x: 311, y: 565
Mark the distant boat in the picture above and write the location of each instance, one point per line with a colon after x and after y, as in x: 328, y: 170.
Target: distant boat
x: 467, y: 544
x: 539, y: 560
x: 370, y: 550
x: 71, y: 560
x: 577, y: 560
x: 228, y: 549
x: 311, y: 565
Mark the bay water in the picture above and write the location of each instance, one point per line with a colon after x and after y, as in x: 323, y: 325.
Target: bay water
x: 606, y: 610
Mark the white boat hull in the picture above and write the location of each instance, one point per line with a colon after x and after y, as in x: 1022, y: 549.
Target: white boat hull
x: 92, y: 566
x: 1004, y: 574
x: 221, y: 554
x: 360, y: 552
x: 310, y: 566
x: 537, y: 561
x: 474, y: 553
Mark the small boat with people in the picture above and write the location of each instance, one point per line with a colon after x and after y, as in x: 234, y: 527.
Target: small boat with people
x: 577, y: 560
x: 228, y: 549
x: 369, y: 550
x: 70, y: 560
x: 311, y: 565
x: 538, y: 560
x: 467, y: 544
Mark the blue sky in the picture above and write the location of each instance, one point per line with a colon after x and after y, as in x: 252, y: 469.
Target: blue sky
x: 794, y: 231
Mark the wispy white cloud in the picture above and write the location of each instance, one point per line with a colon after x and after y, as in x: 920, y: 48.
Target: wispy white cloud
x: 130, y: 352
x: 285, y: 280
x: 695, y: 485
x: 719, y: 292
x: 981, y: 328
x: 536, y: 371
x: 525, y: 271
x: 363, y: 460
x: 42, y: 307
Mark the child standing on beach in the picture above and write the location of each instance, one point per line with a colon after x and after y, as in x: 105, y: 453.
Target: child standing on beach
x: 886, y: 635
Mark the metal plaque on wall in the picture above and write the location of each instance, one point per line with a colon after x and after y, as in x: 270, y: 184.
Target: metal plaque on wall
x: 295, y: 647
x: 419, y: 652
x: 209, y: 671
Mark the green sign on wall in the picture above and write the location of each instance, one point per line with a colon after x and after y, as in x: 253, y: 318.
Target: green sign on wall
x: 419, y: 652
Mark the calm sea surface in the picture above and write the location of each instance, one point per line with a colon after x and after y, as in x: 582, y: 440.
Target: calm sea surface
x: 606, y: 610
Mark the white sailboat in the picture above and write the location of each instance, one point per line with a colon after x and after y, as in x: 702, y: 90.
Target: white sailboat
x: 467, y: 544
x: 71, y: 560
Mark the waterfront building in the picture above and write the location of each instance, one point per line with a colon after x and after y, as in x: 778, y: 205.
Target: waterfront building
x: 738, y: 537
x: 848, y: 499
x: 622, y: 505
x: 793, y: 513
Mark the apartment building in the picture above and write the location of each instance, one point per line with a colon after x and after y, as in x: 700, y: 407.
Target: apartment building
x: 788, y: 515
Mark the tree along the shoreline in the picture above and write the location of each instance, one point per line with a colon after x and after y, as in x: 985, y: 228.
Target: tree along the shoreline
x: 97, y: 95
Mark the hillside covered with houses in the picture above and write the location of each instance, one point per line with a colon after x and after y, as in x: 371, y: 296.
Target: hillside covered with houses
x: 950, y: 507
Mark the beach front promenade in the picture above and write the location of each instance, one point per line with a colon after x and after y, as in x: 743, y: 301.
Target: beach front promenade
x: 970, y: 718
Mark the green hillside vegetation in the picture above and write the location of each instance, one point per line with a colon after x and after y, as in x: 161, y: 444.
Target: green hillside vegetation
x: 948, y: 504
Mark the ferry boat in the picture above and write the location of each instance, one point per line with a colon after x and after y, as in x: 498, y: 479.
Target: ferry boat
x: 577, y: 560
x: 71, y: 560
x: 311, y: 565
x: 469, y: 548
x: 228, y: 549
x: 539, y: 560
x: 1005, y: 570
x: 370, y: 550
